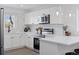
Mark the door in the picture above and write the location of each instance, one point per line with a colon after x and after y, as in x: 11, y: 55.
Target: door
x: 1, y: 31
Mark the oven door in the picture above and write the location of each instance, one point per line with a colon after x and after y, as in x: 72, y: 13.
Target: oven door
x: 36, y: 44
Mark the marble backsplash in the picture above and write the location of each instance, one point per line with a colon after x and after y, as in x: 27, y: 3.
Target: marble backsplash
x: 58, y: 28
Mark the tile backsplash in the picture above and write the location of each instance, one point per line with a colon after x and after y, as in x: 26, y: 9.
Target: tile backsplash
x: 58, y: 28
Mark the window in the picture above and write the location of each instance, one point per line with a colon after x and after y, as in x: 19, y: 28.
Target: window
x: 9, y: 22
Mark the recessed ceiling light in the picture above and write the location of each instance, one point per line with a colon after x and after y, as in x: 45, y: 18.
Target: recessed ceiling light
x: 70, y: 14
x: 57, y: 13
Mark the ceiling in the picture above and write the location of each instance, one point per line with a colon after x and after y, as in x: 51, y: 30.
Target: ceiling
x: 31, y: 7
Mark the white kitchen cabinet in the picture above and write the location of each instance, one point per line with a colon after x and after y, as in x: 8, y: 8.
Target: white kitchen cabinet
x: 14, y: 41
x: 48, y: 48
x: 56, y: 20
x: 7, y: 43
x: 21, y: 40
x: 56, y: 16
x: 29, y: 42
x: 28, y: 19
x: 18, y: 40
x: 58, y: 45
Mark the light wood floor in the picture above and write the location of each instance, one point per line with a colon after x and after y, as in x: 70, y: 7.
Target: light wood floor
x: 20, y: 51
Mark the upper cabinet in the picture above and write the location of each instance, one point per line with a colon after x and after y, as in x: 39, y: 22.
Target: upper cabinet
x: 58, y: 15
x: 36, y: 16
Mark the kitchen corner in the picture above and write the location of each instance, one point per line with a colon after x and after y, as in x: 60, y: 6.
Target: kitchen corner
x: 54, y: 42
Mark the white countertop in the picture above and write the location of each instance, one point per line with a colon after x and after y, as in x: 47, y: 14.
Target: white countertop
x: 66, y: 40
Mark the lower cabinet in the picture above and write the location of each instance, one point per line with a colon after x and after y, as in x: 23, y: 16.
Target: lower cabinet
x: 47, y: 48
x: 13, y: 42
x: 7, y: 43
x: 10, y: 43
x: 17, y: 41
x: 52, y: 48
x: 29, y: 42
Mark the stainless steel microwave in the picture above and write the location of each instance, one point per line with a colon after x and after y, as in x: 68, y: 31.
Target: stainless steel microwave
x: 45, y: 19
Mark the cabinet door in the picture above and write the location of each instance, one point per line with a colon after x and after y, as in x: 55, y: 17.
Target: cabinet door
x: 7, y: 43
x: 10, y: 42
x: 21, y: 41
x: 29, y: 42
x: 14, y: 43
x: 56, y: 20
x: 26, y: 41
x: 47, y: 48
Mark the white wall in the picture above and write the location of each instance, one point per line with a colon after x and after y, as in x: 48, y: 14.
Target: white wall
x: 67, y: 15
